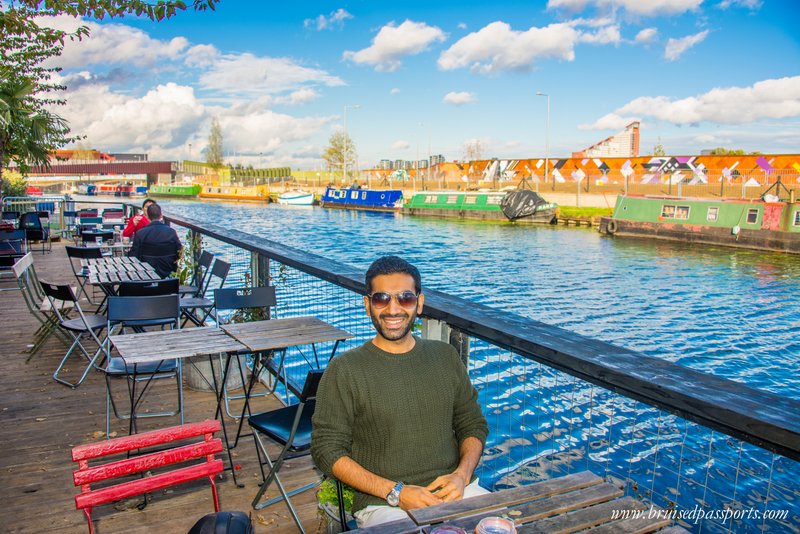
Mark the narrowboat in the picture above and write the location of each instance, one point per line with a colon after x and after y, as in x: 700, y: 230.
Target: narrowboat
x: 390, y: 200
x: 86, y: 189
x: 175, y: 190
x: 521, y: 206
x: 258, y: 193
x: 764, y: 224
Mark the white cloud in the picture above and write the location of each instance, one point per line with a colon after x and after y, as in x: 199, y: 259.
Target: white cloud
x: 676, y: 47
x: 115, y: 120
x: 497, y: 47
x: 111, y: 43
x: 336, y: 18
x: 767, y: 99
x: 752, y: 5
x: 201, y: 55
x: 301, y: 96
x: 646, y: 36
x: 267, y: 131
x: 462, y: 26
x: 394, y: 91
x: 610, y: 121
x: 636, y: 7
x: 401, y: 145
x: 393, y: 42
x: 460, y: 98
x: 605, y: 35
x: 249, y: 74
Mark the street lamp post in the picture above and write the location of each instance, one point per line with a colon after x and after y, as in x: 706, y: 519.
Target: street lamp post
x: 344, y: 152
x: 547, y: 141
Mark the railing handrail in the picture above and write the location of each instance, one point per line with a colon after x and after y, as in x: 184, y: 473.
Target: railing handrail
x: 765, y: 419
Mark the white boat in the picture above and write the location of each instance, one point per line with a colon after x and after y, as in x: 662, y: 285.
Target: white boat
x: 296, y: 198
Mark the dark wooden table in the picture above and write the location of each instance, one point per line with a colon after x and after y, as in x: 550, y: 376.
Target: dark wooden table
x: 113, y: 270
x: 565, y: 504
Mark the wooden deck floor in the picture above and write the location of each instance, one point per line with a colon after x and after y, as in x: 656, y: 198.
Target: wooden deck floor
x: 42, y: 420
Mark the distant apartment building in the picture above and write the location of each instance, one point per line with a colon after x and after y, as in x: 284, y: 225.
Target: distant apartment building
x: 624, y: 144
x: 386, y: 164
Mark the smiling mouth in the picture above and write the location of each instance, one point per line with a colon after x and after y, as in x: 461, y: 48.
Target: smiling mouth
x: 394, y: 321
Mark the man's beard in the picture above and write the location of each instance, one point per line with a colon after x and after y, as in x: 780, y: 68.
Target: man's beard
x: 394, y: 335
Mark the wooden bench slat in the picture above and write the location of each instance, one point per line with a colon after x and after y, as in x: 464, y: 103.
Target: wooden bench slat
x: 639, y: 525
x: 565, y: 502
x: 146, y: 439
x: 581, y: 519
x: 145, y: 485
x: 675, y: 529
x: 538, y: 490
x: 146, y: 461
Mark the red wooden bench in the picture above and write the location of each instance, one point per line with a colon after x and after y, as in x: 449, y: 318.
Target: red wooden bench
x: 85, y: 475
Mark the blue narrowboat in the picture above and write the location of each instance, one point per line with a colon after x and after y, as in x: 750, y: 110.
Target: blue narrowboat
x: 363, y: 199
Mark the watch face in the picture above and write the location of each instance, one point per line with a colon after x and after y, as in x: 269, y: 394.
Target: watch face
x: 393, y: 498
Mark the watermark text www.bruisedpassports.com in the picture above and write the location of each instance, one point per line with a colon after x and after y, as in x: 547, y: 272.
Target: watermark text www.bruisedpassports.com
x: 697, y: 514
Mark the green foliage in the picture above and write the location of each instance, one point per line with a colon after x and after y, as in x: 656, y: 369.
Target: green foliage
x: 214, y: 151
x: 187, y: 259
x: 335, y: 153
x: 572, y: 212
x: 722, y: 151
x: 658, y: 150
x: 326, y: 494
x: 14, y: 184
x: 248, y: 315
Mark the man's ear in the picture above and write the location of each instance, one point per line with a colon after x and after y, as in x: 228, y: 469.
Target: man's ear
x: 420, y: 302
x: 366, y: 304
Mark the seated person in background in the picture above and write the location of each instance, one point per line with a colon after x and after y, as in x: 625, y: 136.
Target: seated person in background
x: 397, y: 418
x: 157, y: 243
x: 138, y: 221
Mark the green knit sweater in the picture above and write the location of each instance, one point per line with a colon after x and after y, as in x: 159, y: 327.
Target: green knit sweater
x: 400, y: 416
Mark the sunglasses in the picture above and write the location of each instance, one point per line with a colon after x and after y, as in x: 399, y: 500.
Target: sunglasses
x: 406, y: 299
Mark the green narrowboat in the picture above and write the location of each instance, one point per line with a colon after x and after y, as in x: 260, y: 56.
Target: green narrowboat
x: 175, y: 190
x: 753, y: 224
x: 521, y: 206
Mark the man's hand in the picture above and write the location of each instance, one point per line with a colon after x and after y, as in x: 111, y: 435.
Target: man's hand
x: 417, y: 497
x: 137, y: 218
x: 448, y: 488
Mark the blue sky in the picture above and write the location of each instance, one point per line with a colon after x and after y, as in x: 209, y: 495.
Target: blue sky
x: 697, y: 73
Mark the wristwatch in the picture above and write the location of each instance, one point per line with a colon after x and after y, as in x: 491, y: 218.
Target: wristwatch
x: 394, y: 496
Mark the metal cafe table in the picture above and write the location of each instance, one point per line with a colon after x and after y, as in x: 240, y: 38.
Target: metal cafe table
x: 564, y: 504
x: 241, y: 338
x: 112, y: 270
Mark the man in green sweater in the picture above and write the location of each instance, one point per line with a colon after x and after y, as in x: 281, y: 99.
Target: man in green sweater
x: 397, y: 418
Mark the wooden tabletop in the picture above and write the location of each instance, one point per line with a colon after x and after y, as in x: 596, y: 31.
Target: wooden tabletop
x: 168, y: 344
x: 283, y: 333
x: 116, y: 269
x: 564, y: 504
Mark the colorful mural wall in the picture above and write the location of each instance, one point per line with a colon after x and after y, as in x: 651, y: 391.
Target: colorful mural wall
x: 753, y: 169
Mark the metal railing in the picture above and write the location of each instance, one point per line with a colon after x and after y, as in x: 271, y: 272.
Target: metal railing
x: 559, y: 402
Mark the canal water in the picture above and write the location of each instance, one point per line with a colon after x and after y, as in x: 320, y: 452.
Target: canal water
x: 731, y: 313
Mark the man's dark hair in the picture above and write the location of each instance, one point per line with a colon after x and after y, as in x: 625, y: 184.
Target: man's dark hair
x: 153, y: 212
x: 392, y: 265
x: 150, y: 200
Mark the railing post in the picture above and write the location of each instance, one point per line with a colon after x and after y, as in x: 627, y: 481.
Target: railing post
x: 259, y: 269
x: 441, y: 331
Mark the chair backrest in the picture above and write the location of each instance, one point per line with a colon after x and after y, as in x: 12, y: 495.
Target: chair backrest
x: 220, y: 270
x: 203, y: 265
x: 129, y: 310
x: 10, y: 215
x: 83, y: 253
x: 87, y: 213
x: 311, y: 385
x: 12, y: 242
x: 69, y: 214
x: 113, y: 213
x: 22, y: 265
x: 93, y: 235
x: 43, y: 214
x: 244, y: 297
x: 30, y: 221
x: 58, y: 291
x: 148, y: 288
x: 91, y: 221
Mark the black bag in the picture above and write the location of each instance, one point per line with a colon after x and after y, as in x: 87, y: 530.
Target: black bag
x: 223, y: 523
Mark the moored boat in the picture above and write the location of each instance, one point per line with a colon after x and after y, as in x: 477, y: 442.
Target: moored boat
x: 235, y: 192
x: 363, y: 199
x: 175, y: 190
x: 296, y: 198
x: 483, y: 205
x: 763, y: 224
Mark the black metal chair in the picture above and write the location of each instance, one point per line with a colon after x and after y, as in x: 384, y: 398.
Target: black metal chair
x: 242, y: 299
x: 13, y: 246
x: 137, y: 313
x: 77, y: 256
x: 289, y: 427
x: 70, y: 218
x: 199, y: 277
x: 93, y: 237
x: 35, y: 230
x: 191, y: 305
x: 82, y: 326
x: 148, y: 288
